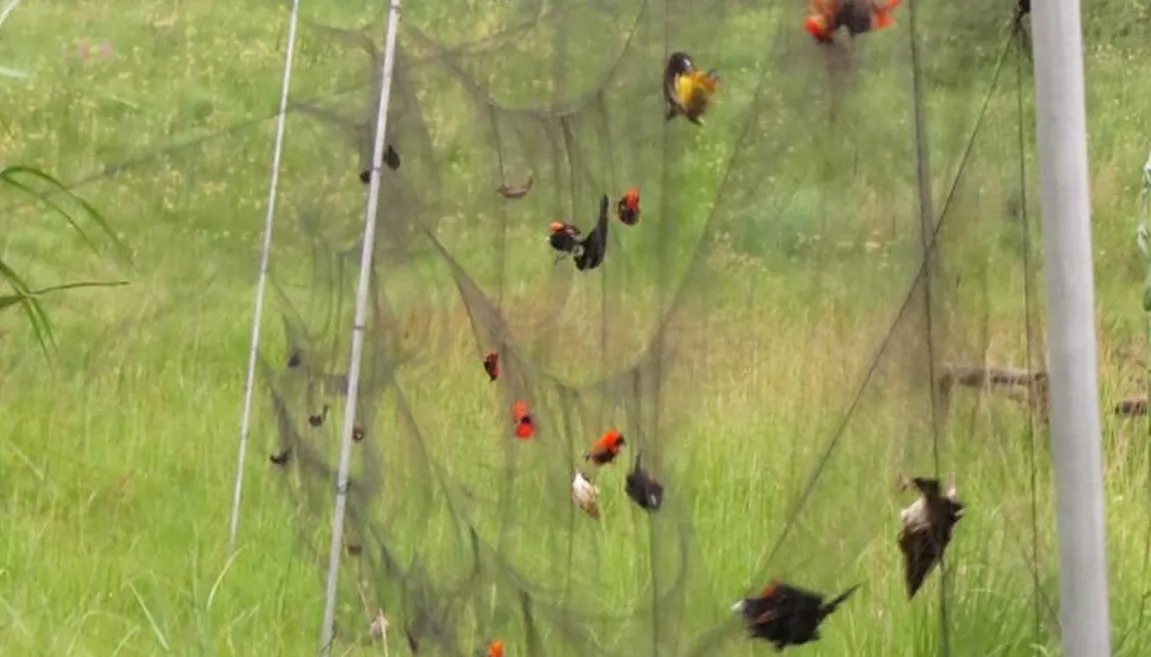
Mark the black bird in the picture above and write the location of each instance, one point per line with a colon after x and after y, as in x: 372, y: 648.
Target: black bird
x: 593, y: 248
x: 642, y: 488
x: 1022, y: 10
x: 787, y: 615
x: 318, y: 419
x: 391, y: 160
x: 281, y: 458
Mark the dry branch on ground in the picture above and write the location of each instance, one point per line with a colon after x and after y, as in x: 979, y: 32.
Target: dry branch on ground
x: 1019, y: 385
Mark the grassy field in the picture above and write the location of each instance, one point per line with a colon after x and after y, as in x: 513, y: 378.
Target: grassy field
x: 726, y: 334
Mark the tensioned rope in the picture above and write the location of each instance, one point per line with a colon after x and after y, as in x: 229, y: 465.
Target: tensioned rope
x: 261, y: 284
x: 926, y: 224
x: 1018, y: 37
x: 1143, y: 238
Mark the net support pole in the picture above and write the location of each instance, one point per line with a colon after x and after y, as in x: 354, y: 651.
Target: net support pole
x: 370, y: 213
x: 1061, y: 130
x: 262, y: 282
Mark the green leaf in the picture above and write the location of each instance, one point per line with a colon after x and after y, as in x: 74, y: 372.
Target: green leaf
x: 23, y: 295
x: 9, y: 175
x: 13, y: 299
x: 37, y: 318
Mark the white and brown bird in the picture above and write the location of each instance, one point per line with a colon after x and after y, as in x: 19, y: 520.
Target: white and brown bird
x: 926, y: 527
x: 585, y: 494
x: 379, y: 627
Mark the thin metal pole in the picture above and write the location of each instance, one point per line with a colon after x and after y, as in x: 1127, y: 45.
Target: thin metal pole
x: 265, y: 251
x: 1061, y: 125
x: 373, y: 203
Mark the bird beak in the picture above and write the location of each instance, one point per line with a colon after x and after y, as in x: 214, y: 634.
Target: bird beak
x: 738, y: 607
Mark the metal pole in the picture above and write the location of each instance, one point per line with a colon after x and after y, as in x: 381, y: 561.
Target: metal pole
x: 373, y: 203
x: 1061, y: 125
x: 265, y: 251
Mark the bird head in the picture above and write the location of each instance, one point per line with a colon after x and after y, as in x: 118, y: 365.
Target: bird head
x: 818, y: 27
x: 679, y: 63
x: 631, y: 198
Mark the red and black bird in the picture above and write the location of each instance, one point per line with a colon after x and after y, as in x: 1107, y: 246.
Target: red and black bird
x: 587, y: 252
x: 787, y: 615
x: 492, y: 365
x: 627, y: 207
x: 564, y: 238
x: 524, y: 422
x: 856, y: 16
x: 604, y: 450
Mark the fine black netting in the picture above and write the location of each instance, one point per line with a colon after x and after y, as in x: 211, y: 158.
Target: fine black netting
x: 793, y: 322
x: 770, y: 335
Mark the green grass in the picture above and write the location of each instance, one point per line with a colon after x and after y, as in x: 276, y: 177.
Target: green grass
x: 118, y: 453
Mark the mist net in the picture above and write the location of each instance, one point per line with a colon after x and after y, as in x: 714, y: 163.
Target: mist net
x: 819, y: 297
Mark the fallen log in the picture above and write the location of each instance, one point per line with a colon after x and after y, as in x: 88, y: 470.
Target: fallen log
x: 1019, y: 385
x: 1014, y: 383
x: 1132, y: 406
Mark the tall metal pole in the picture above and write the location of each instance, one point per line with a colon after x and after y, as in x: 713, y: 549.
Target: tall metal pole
x: 261, y: 285
x: 370, y: 212
x: 1061, y: 125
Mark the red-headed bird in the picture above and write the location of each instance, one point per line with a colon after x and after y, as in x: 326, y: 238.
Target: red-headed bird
x: 858, y: 16
x: 587, y: 252
x: 525, y: 424
x: 564, y: 238
x: 604, y: 450
x: 627, y: 208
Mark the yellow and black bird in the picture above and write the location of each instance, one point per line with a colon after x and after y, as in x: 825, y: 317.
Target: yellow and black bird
x: 687, y: 89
